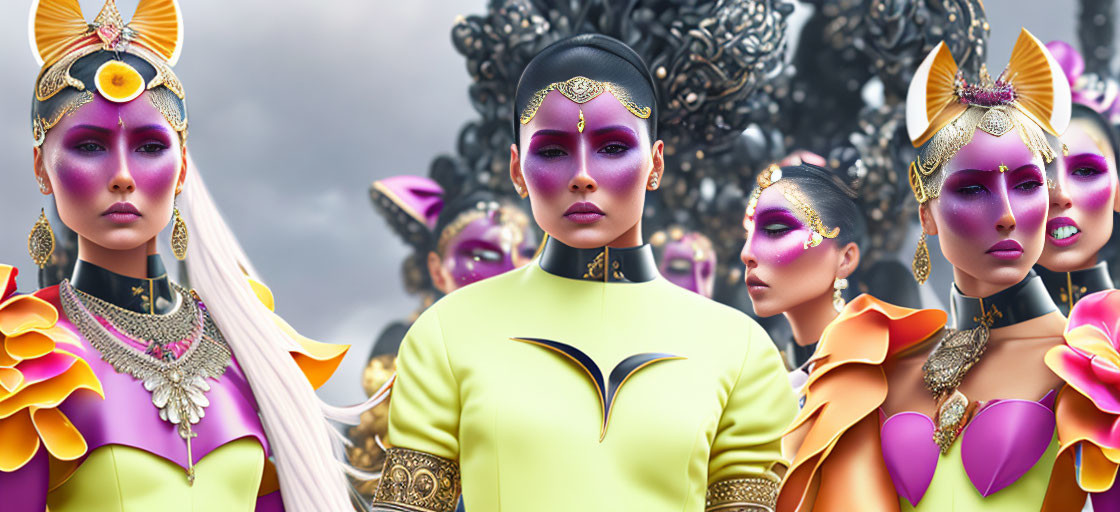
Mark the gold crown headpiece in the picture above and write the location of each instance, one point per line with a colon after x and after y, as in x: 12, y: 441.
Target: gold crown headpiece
x: 60, y: 37
x: 943, y: 110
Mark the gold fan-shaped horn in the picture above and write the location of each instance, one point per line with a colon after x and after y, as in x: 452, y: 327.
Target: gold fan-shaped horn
x: 159, y: 27
x: 54, y: 26
x: 931, y: 102
x: 1041, y: 87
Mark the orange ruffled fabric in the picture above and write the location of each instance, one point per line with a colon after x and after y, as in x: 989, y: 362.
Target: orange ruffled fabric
x: 1088, y: 408
x: 839, y: 420
x: 36, y: 375
x: 318, y: 361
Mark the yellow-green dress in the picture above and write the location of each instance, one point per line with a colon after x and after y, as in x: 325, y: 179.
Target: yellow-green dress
x: 585, y: 381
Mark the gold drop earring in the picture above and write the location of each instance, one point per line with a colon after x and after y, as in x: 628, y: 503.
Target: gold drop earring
x: 838, y: 285
x: 921, y: 266
x: 40, y: 243
x: 179, y: 235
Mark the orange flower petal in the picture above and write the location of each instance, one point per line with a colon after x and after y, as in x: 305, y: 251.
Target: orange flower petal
x: 1097, y: 472
x: 28, y: 345
x: 51, y: 393
x: 10, y: 379
x: 60, y: 436
x: 18, y: 441
x: 25, y: 312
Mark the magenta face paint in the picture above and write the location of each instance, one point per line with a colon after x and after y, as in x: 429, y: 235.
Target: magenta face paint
x: 992, y: 209
x: 102, y: 137
x: 1081, y: 203
x: 689, y: 262
x: 781, y: 272
x: 113, y: 169
x: 586, y: 187
x: 486, y: 247
x: 778, y: 236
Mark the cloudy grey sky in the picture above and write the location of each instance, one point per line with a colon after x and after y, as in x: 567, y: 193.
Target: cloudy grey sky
x: 294, y: 111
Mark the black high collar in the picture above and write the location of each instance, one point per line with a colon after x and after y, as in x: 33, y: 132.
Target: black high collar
x: 1023, y: 301
x: 127, y: 292
x: 1081, y: 282
x: 629, y: 265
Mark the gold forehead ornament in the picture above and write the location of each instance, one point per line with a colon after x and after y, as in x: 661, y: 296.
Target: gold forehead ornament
x: 582, y: 90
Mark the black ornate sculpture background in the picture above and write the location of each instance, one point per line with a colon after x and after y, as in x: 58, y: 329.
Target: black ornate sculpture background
x: 732, y: 102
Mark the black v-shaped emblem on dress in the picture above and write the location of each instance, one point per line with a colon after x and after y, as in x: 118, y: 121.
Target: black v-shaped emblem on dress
x: 607, y: 390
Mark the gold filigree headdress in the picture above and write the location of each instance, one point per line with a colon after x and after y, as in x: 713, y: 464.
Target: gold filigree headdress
x: 943, y: 110
x: 60, y: 37
x: 582, y: 90
x: 817, y: 230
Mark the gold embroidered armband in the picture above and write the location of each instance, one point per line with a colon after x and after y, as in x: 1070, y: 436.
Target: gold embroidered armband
x: 415, y: 481
x: 742, y: 495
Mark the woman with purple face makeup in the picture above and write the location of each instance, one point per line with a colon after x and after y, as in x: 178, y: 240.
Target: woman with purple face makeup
x: 1084, y: 196
x: 686, y: 258
x: 1079, y: 225
x: 463, y: 240
x: 905, y: 411
x: 585, y: 381
x: 122, y: 390
x: 804, y: 231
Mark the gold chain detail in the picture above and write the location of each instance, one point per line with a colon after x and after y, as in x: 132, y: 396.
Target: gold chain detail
x: 582, y: 90
x: 417, y: 481
x: 743, y: 495
x: 926, y: 177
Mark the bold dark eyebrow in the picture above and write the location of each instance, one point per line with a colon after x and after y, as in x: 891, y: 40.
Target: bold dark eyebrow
x: 152, y: 127
x: 551, y: 133
x: 615, y: 128
x: 1088, y: 156
x: 94, y: 128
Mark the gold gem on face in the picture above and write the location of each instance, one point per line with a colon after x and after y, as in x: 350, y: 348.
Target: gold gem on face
x: 581, y: 124
x: 1002, y: 167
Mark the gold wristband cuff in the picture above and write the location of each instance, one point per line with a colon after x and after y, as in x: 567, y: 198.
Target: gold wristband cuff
x: 742, y: 495
x: 417, y: 482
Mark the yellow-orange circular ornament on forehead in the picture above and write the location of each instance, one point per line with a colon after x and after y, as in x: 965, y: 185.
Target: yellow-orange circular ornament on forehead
x: 119, y: 82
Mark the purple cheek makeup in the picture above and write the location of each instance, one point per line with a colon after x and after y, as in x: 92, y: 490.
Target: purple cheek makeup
x: 1088, y: 181
x: 778, y: 237
x: 483, y: 249
x: 101, y: 137
x: 609, y: 147
x: 973, y: 201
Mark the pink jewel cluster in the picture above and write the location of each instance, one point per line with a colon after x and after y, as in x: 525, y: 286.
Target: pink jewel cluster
x: 109, y: 34
x: 998, y: 93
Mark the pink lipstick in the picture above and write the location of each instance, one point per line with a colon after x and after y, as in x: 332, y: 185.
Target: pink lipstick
x: 584, y: 212
x: 1006, y: 250
x: 755, y: 285
x: 122, y: 213
x: 1062, y: 231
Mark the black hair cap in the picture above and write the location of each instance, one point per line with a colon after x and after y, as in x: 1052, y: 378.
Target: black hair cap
x: 593, y: 56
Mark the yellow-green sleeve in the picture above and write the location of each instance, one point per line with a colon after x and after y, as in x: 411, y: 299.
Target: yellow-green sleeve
x: 424, y: 406
x: 746, y: 459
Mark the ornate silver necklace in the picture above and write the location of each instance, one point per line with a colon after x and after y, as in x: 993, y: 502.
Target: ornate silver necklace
x: 178, y: 385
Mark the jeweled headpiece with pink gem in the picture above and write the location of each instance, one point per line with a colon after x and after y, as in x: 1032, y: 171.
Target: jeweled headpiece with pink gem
x: 985, y: 92
x: 944, y: 110
x: 107, y: 56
